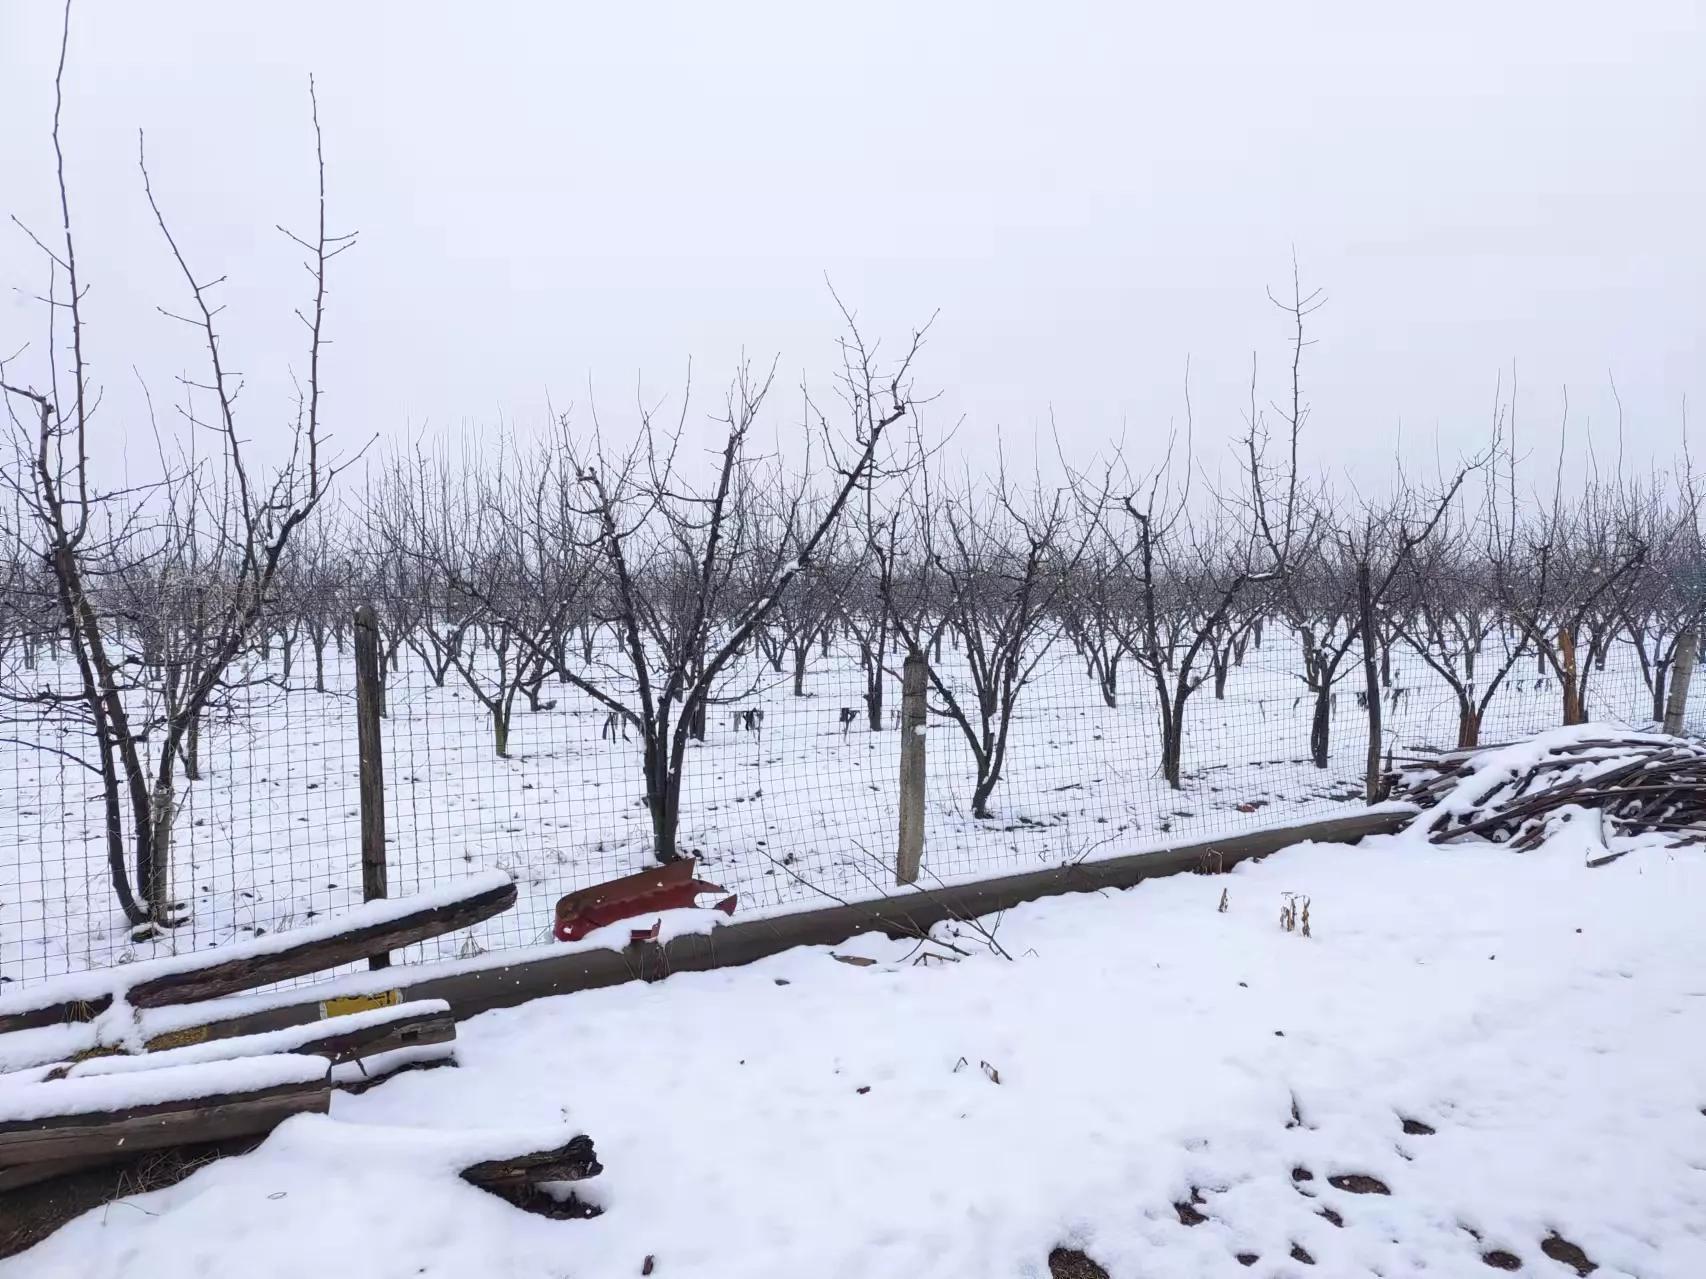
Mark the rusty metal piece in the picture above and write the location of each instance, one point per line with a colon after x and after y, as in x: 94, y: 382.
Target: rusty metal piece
x: 670, y: 887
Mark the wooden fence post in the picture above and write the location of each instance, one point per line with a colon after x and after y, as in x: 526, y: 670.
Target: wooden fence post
x: 912, y: 716
x: 369, y: 688
x: 1681, y: 671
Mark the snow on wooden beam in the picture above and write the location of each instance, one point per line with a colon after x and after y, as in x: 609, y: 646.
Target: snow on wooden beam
x: 338, y: 1040
x: 363, y: 931
x: 107, y: 1115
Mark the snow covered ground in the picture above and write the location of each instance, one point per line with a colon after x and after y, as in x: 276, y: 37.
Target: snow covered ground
x: 1514, y: 1046
x: 269, y: 839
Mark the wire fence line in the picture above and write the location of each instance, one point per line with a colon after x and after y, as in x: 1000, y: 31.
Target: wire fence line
x: 790, y: 809
x: 606, y: 647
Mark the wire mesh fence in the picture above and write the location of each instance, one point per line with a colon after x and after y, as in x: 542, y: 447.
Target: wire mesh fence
x: 793, y: 807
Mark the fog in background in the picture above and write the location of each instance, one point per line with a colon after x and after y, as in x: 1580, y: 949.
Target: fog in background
x: 558, y: 197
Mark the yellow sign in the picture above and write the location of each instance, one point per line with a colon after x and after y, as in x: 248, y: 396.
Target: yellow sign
x: 346, y: 1004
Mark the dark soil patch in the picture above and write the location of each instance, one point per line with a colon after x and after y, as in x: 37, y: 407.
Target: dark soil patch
x: 1302, y: 1174
x: 1566, y: 1253
x: 1416, y: 1128
x: 1357, y: 1183
x: 1499, y: 1259
x: 1331, y: 1216
x: 1069, y: 1263
x: 1299, y: 1253
x: 1248, y: 1258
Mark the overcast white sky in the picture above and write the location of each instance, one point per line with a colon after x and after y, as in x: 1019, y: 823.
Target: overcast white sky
x: 1090, y: 193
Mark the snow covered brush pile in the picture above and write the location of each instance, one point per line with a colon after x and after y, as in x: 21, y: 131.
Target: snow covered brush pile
x: 1614, y: 789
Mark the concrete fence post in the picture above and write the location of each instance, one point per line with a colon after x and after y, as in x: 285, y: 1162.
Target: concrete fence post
x: 912, y: 742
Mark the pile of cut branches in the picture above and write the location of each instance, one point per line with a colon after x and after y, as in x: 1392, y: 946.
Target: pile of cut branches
x: 1626, y: 784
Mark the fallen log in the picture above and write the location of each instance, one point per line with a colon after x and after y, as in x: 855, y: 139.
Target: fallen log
x: 574, y: 1160
x: 74, y: 1119
x: 372, y: 929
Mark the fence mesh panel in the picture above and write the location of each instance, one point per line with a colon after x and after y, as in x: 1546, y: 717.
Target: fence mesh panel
x: 795, y: 809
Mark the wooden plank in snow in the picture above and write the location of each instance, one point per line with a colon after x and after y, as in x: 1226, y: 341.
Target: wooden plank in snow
x: 194, y: 1116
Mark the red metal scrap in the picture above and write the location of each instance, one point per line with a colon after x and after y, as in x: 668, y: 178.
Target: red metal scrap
x: 670, y: 887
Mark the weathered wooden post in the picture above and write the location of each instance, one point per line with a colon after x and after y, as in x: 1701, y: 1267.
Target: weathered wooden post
x: 1681, y: 671
x: 369, y: 688
x: 912, y: 739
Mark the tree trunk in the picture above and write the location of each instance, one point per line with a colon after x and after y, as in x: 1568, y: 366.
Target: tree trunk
x: 192, y: 749
x: 1221, y: 668
x: 1173, y: 733
x: 112, y: 798
x: 1572, y: 691
x: 1468, y: 726
x: 500, y: 729
x: 1369, y: 639
x: 663, y: 799
x: 158, y: 888
x: 1321, y: 724
x: 802, y: 653
x: 319, y: 643
x: 1661, y: 681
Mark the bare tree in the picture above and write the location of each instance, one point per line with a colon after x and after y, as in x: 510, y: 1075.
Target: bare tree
x: 995, y: 568
x: 680, y: 559
x: 85, y: 533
